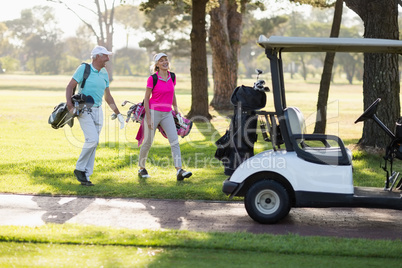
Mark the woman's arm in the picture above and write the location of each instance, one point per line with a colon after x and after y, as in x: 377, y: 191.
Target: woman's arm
x: 174, y: 103
x: 148, y: 93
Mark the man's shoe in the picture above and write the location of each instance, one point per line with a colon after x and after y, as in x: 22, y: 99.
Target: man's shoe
x: 87, y: 183
x: 182, y: 174
x: 80, y: 175
x: 143, y: 173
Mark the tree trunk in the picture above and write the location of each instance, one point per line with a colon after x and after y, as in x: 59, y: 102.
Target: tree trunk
x: 381, y: 74
x: 321, y: 119
x: 106, y: 31
x: 224, y: 38
x: 199, y: 70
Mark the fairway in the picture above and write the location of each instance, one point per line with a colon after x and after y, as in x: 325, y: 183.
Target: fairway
x: 37, y: 159
x: 76, y: 246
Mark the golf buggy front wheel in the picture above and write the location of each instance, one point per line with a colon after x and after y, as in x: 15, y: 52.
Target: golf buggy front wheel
x: 267, y: 201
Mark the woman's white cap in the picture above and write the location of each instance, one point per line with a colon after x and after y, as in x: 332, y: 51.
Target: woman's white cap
x: 158, y: 56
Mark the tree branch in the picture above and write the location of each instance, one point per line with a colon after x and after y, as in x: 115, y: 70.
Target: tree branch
x: 76, y: 14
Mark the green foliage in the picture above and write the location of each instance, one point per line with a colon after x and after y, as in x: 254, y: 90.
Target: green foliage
x: 316, y: 3
x: 37, y: 30
x: 69, y: 64
x: 170, y: 27
x: 9, y: 64
x: 128, y: 61
x: 252, y: 29
x: 43, y: 65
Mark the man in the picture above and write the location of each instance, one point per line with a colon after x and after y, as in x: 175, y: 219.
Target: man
x: 91, y: 120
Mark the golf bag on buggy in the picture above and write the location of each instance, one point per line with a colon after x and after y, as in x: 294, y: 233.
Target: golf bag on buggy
x: 237, y: 144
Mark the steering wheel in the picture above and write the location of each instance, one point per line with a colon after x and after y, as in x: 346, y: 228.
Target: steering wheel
x: 369, y: 112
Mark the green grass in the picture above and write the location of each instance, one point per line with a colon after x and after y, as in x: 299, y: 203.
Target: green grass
x: 73, y: 245
x: 35, y: 159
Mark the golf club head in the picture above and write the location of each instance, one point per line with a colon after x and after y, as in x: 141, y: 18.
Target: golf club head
x: 258, y: 71
x: 124, y: 103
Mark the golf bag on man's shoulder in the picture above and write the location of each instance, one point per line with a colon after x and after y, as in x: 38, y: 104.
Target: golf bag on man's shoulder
x: 237, y: 144
x: 60, y: 115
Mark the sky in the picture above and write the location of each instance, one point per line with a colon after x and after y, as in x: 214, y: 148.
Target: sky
x: 12, y: 10
x: 67, y: 20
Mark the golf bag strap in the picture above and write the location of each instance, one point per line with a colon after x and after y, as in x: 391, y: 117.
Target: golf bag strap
x: 87, y: 72
x: 155, y: 78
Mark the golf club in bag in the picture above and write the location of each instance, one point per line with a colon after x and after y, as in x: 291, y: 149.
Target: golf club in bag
x: 237, y: 144
x: 136, y: 113
x: 61, y: 116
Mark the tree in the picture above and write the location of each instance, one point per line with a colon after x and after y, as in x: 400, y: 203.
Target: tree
x: 321, y: 119
x: 124, y: 16
x: 105, y: 20
x: 326, y: 76
x: 77, y: 49
x: 351, y: 63
x: 38, y: 32
x: 224, y: 38
x: 252, y: 28
x: 6, y: 49
x: 199, y: 69
x: 199, y: 73
x: 381, y: 74
x: 170, y: 27
x: 80, y: 45
x: 5, y: 46
x: 131, y: 61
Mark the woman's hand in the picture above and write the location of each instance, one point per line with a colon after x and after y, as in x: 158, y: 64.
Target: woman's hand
x: 149, y: 121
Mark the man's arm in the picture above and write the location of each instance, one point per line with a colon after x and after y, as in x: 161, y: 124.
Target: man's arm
x: 110, y: 101
x: 69, y: 93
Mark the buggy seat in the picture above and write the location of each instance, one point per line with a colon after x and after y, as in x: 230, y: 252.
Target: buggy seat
x: 316, y: 148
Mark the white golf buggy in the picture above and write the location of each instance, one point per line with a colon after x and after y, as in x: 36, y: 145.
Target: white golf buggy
x: 301, y: 174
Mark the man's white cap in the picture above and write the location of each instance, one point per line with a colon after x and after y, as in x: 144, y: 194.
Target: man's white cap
x: 100, y: 50
x: 158, y: 56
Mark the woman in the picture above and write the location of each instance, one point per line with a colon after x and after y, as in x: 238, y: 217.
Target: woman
x: 158, y: 102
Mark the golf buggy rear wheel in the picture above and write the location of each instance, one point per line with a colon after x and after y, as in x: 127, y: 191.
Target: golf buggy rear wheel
x: 267, y: 201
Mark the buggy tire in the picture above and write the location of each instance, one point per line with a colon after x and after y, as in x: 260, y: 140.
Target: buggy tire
x: 267, y: 201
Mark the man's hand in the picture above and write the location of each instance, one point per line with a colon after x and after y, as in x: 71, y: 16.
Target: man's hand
x: 121, y: 120
x: 70, y: 107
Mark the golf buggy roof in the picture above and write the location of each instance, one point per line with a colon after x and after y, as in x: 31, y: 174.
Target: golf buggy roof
x: 328, y: 44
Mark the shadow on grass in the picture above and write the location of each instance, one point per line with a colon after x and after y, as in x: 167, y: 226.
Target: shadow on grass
x: 116, y: 175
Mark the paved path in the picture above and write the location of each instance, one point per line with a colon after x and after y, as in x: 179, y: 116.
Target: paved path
x: 196, y: 216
